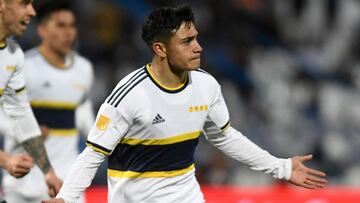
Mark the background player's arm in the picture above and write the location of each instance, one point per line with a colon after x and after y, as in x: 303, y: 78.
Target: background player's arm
x: 26, y: 129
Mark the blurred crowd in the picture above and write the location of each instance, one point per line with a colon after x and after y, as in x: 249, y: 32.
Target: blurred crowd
x: 289, y: 70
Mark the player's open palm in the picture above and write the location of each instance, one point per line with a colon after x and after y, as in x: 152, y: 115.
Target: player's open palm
x: 304, y: 176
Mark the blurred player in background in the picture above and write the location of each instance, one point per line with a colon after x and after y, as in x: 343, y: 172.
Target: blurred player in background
x: 150, y: 125
x: 58, y: 83
x: 15, y: 15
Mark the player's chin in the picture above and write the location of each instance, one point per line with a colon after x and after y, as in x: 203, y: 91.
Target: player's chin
x: 194, y: 65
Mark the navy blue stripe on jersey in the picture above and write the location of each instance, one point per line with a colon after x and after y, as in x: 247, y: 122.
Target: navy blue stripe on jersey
x: 96, y: 146
x: 145, y: 158
x: 20, y: 89
x: 115, y: 93
x: 225, y: 126
x: 55, y: 118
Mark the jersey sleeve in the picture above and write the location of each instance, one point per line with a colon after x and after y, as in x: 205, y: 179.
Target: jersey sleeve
x: 17, y: 107
x: 110, y: 126
x: 218, y: 113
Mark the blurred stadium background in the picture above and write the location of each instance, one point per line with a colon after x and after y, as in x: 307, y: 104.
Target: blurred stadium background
x: 290, y: 73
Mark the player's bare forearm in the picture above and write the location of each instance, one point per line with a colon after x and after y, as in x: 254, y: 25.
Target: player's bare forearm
x: 36, y: 149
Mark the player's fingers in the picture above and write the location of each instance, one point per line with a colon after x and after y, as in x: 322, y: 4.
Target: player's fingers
x: 308, y: 186
x: 28, y: 160
x: 316, y: 172
x: 317, y: 179
x: 313, y: 183
x: 306, y: 157
x: 51, y: 192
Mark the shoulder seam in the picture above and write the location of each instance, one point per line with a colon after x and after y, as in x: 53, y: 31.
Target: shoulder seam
x: 118, y: 94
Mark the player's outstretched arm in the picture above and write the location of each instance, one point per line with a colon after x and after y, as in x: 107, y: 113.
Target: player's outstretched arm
x: 16, y: 165
x: 35, y: 147
x: 304, y: 176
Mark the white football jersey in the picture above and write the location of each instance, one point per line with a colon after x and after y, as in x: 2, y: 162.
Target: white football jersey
x: 12, y: 91
x: 150, y: 133
x: 54, y: 94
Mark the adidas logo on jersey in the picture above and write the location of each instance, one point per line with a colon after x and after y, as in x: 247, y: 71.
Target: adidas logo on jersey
x: 158, y: 119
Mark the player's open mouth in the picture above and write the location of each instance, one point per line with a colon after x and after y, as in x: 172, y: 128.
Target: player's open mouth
x: 25, y: 22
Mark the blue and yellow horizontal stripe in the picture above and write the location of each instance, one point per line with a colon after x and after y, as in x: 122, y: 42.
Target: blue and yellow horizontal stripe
x: 53, y: 104
x: 162, y: 141
x: 58, y: 116
x: 98, y: 148
x: 149, y: 174
x: 153, y: 157
x: 63, y: 132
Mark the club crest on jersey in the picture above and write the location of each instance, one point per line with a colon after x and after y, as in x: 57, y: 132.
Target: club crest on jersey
x: 11, y: 68
x: 102, y: 122
x: 198, y: 108
x: 158, y: 119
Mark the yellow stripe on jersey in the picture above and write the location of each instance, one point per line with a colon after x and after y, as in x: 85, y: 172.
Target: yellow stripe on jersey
x: 1, y: 91
x: 97, y: 149
x: 53, y: 104
x: 63, y: 132
x: 148, y: 174
x: 162, y: 141
x: 163, y: 86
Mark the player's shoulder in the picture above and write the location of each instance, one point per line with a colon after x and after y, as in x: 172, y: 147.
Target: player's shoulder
x: 201, y: 76
x: 13, y: 46
x: 14, y: 50
x: 127, y: 87
x: 82, y: 60
x: 32, y: 53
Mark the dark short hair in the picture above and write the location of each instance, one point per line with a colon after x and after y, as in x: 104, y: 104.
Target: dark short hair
x: 48, y: 7
x: 162, y: 23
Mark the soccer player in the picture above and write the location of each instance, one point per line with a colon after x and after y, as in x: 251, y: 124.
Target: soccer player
x: 150, y: 124
x: 14, y: 17
x: 58, y: 82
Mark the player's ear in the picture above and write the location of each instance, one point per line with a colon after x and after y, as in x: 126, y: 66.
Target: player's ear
x: 2, y: 6
x: 159, y: 49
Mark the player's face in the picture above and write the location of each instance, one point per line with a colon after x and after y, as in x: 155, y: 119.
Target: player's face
x: 59, y: 31
x: 183, y: 49
x: 16, y: 15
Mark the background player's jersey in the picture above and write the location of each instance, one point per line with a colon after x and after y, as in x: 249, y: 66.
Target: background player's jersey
x: 151, y: 131
x: 54, y: 94
x: 12, y: 92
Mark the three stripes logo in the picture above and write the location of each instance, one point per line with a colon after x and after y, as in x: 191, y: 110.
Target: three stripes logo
x: 119, y: 93
x: 158, y: 119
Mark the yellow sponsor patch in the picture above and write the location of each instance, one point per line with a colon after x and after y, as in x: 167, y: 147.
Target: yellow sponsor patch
x: 102, y: 122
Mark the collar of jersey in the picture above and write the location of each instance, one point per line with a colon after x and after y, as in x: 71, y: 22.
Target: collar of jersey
x: 165, y: 88
x: 59, y: 66
x: 3, y: 44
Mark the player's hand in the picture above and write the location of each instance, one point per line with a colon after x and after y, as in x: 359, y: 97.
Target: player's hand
x: 57, y: 200
x: 304, y: 176
x: 53, y: 183
x: 18, y: 165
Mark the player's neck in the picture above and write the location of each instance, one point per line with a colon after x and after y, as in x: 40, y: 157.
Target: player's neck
x: 54, y: 58
x: 165, y: 75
